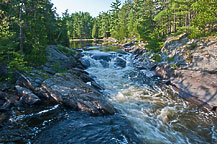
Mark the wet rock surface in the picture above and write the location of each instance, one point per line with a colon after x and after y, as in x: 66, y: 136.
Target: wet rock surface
x: 120, y: 62
x: 27, y: 96
x: 102, y: 56
x: 69, y: 90
x: 82, y: 128
x: 189, y: 66
x: 74, y: 88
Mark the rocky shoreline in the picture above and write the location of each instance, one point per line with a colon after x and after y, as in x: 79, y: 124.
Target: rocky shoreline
x: 62, y: 80
x: 187, y: 66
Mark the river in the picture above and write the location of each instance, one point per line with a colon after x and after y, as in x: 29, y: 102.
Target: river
x: 147, y: 112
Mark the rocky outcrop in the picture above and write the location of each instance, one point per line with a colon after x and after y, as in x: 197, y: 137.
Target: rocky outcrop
x: 27, y: 96
x: 69, y: 90
x: 188, y: 66
x: 193, y: 69
x: 73, y: 88
x: 61, y: 59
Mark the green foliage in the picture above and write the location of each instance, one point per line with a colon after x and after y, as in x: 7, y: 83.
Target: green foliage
x: 173, y: 66
x: 37, y: 57
x: 170, y: 59
x: 95, y: 31
x: 18, y: 62
x: 66, y: 50
x: 27, y: 27
x: 156, y: 57
x: 57, y: 67
x: 80, y: 25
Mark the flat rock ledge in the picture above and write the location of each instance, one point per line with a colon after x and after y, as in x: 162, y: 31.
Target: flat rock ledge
x: 197, y: 87
x: 69, y: 90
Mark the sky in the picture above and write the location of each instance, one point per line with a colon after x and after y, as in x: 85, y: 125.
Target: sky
x: 94, y: 7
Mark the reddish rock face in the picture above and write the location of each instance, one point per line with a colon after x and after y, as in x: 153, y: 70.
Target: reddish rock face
x: 197, y: 81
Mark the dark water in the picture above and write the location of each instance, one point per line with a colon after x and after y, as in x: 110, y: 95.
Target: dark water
x: 147, y: 112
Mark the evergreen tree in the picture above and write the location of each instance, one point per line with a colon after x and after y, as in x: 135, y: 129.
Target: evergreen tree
x: 95, y: 30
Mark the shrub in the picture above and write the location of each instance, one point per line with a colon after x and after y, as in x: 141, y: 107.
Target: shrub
x: 156, y: 57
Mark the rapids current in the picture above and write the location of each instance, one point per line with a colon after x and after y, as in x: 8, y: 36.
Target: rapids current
x: 156, y: 113
x: 146, y: 110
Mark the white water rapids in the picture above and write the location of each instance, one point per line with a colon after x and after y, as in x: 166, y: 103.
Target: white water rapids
x: 156, y: 114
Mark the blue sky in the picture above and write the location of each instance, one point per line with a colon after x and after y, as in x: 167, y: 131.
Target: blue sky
x: 94, y: 7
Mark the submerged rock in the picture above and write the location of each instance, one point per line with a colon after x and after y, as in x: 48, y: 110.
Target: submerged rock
x: 120, y: 62
x: 85, y: 129
x: 85, y: 62
x: 104, y: 63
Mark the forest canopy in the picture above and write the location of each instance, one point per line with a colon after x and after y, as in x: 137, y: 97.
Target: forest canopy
x: 28, y: 26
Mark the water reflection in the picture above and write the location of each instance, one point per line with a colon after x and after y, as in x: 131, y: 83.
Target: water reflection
x: 81, y: 44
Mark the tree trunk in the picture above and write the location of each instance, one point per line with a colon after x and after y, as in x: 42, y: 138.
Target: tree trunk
x: 174, y: 21
x: 189, y: 19
x: 21, y: 29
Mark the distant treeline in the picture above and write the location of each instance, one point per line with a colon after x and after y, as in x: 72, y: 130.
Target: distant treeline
x: 147, y: 20
x: 28, y: 26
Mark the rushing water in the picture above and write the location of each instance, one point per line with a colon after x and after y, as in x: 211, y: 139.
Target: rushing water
x: 147, y: 112
x: 156, y: 114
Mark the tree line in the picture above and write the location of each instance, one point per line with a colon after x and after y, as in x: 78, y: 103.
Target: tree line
x: 28, y: 26
x: 147, y: 20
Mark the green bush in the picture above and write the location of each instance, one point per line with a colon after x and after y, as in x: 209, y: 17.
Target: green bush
x: 156, y: 57
x: 173, y: 66
x: 37, y: 57
x: 18, y: 62
x: 170, y: 59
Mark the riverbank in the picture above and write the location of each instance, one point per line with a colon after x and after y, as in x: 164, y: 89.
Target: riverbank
x: 96, y: 95
x: 61, y: 80
x: 62, y: 102
x: 187, y: 66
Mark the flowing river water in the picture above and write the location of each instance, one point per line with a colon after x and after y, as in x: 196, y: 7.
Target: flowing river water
x: 147, y: 112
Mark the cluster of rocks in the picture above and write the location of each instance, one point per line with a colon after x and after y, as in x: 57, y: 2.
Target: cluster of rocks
x: 188, y: 66
x: 62, y: 80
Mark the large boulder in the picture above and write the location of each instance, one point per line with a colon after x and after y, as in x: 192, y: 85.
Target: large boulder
x: 196, y: 84
x: 62, y: 58
x: 102, y: 56
x: 7, y: 101
x: 32, y: 82
x: 195, y: 81
x: 68, y: 89
x: 85, y: 62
